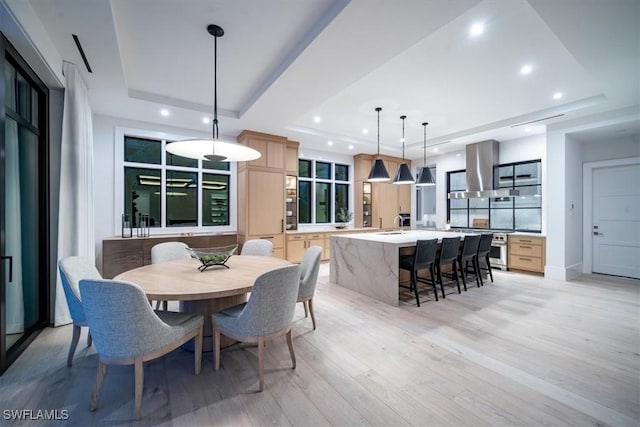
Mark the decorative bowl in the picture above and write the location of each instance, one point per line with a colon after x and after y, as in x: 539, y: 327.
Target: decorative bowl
x: 212, y: 256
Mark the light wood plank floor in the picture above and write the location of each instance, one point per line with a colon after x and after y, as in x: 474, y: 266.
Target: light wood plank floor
x: 521, y: 351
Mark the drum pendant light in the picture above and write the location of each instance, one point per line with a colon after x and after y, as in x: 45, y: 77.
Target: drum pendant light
x: 213, y: 149
x: 425, y: 177
x: 403, y: 175
x: 378, y: 172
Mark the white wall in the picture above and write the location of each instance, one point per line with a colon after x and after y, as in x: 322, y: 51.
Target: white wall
x: 573, y: 207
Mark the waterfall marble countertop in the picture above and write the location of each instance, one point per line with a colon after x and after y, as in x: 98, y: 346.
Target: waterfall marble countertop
x: 401, y: 239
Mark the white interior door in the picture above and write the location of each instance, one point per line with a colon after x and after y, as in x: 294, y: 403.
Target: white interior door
x: 616, y: 220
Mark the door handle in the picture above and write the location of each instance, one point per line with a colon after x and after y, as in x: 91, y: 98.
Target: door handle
x: 10, y: 258
x: 595, y: 233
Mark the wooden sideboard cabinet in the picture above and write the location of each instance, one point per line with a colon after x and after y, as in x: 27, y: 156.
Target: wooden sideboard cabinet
x: 120, y: 255
x: 526, y: 253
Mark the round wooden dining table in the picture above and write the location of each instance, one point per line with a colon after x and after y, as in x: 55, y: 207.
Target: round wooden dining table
x: 204, y: 292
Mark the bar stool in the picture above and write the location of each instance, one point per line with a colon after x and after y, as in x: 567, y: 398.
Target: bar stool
x: 449, y: 250
x: 483, y: 254
x: 468, y: 253
x: 424, y: 258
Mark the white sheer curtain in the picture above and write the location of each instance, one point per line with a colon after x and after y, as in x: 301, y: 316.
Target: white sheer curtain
x: 13, y: 227
x: 76, y: 234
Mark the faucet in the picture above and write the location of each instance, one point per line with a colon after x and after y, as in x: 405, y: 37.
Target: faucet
x: 400, y: 222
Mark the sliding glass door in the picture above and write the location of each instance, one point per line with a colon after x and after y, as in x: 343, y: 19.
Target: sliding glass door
x: 24, y: 242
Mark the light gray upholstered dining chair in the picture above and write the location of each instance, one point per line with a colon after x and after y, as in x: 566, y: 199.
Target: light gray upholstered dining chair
x: 165, y: 252
x: 127, y: 331
x: 261, y: 247
x: 267, y: 315
x: 309, y: 268
x: 72, y: 270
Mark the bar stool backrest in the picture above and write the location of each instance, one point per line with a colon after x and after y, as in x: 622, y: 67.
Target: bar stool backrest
x: 425, y: 253
x: 449, y: 250
x: 485, y: 244
x: 470, y: 246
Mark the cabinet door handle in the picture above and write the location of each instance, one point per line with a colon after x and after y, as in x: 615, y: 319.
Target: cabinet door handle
x: 380, y: 221
x: 282, y: 225
x: 10, y: 258
x: 267, y: 237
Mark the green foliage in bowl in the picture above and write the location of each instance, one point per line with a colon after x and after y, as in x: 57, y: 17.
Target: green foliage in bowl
x: 212, y: 256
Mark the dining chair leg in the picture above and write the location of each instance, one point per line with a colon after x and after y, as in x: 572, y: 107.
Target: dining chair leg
x: 261, y: 363
x: 89, y: 338
x: 291, y: 353
x: 476, y: 271
x: 306, y: 309
x: 198, y: 351
x: 139, y: 382
x: 313, y: 316
x: 74, y: 343
x: 165, y: 305
x: 216, y: 349
x: 102, y: 371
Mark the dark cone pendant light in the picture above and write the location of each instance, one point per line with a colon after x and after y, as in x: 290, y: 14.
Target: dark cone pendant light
x: 403, y: 175
x: 378, y: 171
x: 425, y: 177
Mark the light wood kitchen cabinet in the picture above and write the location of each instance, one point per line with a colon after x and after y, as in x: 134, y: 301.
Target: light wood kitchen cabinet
x: 526, y: 253
x: 261, y: 190
x: 291, y: 158
x: 272, y: 148
x: 297, y: 244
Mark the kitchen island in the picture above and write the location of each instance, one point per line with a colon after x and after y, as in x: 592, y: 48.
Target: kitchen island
x: 369, y: 263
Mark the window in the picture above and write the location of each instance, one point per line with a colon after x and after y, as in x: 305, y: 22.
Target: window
x: 323, y: 189
x: 178, y: 193
x: 521, y: 213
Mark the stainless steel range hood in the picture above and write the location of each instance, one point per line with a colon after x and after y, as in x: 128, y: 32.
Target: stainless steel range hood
x: 481, y: 159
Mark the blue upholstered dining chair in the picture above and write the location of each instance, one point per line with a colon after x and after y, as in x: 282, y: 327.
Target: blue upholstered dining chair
x: 127, y: 331
x: 165, y: 252
x: 260, y: 247
x: 309, y: 268
x: 72, y: 270
x: 267, y: 315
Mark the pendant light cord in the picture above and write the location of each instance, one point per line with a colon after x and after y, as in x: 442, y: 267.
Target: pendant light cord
x: 215, y: 87
x: 424, y: 157
x: 403, y: 117
x: 378, y: 109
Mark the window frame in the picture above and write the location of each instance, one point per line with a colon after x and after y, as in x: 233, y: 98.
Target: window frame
x: 332, y: 186
x: 164, y: 137
x: 513, y: 208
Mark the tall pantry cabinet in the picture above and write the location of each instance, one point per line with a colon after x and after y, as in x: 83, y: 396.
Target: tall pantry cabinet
x: 261, y: 190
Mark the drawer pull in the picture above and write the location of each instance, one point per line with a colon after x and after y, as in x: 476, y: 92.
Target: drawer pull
x: 525, y: 259
x: 525, y: 241
x: 269, y: 237
x: 525, y: 247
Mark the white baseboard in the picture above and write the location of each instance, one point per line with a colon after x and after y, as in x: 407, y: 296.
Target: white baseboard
x: 563, y: 273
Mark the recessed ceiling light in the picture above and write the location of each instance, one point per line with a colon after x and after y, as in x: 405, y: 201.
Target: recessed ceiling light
x: 365, y: 131
x: 351, y: 147
x: 317, y: 119
x: 164, y: 112
x: 435, y: 150
x: 476, y: 29
x: 526, y: 69
x: 458, y: 155
x: 330, y: 143
x: 558, y: 95
x: 206, y: 120
x: 528, y: 129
